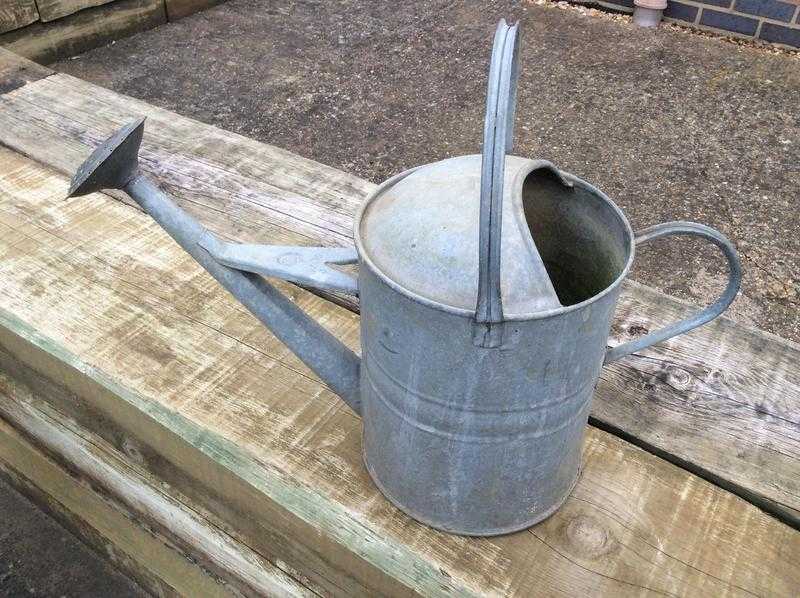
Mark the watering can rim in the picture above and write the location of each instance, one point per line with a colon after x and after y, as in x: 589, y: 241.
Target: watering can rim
x: 524, y: 167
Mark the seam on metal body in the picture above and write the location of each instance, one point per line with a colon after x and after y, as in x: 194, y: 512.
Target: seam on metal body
x: 503, y: 437
x: 432, y: 399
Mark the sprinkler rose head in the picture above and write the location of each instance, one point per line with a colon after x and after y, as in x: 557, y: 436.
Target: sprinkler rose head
x: 113, y: 164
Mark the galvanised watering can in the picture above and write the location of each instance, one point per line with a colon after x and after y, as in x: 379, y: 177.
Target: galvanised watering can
x: 487, y: 285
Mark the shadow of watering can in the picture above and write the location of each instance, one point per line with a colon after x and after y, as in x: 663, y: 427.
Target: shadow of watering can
x: 487, y: 287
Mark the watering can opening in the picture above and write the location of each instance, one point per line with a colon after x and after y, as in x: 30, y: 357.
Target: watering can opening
x: 584, y: 243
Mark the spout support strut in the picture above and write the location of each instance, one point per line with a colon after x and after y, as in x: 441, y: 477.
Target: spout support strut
x: 306, y: 266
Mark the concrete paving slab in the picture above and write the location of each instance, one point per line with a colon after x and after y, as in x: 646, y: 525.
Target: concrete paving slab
x: 39, y: 558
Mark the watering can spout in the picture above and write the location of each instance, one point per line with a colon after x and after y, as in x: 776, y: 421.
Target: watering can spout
x: 238, y: 267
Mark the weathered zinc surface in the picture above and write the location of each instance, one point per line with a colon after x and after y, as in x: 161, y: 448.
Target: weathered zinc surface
x: 265, y: 186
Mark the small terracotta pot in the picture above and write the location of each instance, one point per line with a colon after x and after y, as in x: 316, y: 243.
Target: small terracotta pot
x: 648, y: 12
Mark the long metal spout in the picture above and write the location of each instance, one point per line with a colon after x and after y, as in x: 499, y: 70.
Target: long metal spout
x: 115, y: 165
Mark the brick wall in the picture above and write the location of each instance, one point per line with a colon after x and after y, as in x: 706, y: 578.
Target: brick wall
x: 775, y: 21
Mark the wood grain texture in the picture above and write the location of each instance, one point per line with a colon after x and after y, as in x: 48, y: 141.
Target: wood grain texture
x: 17, y: 13
x: 84, y: 30
x: 16, y: 71
x: 182, y: 153
x: 50, y: 10
x: 158, y: 536
x: 723, y: 400
x: 177, y: 9
x: 108, y: 321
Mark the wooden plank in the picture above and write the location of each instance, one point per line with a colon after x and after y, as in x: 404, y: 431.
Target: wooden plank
x: 17, y: 13
x: 177, y: 9
x: 106, y: 319
x: 84, y: 30
x: 703, y: 400
x: 232, y: 190
x: 723, y: 401
x: 50, y: 10
x: 16, y: 71
x: 150, y: 534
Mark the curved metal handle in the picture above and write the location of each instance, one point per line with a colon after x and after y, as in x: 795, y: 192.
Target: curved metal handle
x: 701, y: 317
x: 498, y: 134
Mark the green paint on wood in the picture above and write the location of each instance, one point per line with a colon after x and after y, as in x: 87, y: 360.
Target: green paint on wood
x: 318, y: 511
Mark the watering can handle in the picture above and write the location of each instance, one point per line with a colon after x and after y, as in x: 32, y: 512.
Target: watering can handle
x: 498, y: 137
x: 701, y: 317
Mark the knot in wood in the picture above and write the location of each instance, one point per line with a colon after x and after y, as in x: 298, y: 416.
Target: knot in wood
x: 678, y: 377
x: 588, y: 537
x: 717, y: 378
x: 131, y: 449
x: 637, y: 329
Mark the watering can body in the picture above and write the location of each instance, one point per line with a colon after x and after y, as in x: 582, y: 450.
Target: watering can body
x: 487, y: 287
x: 469, y: 438
x: 474, y: 440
